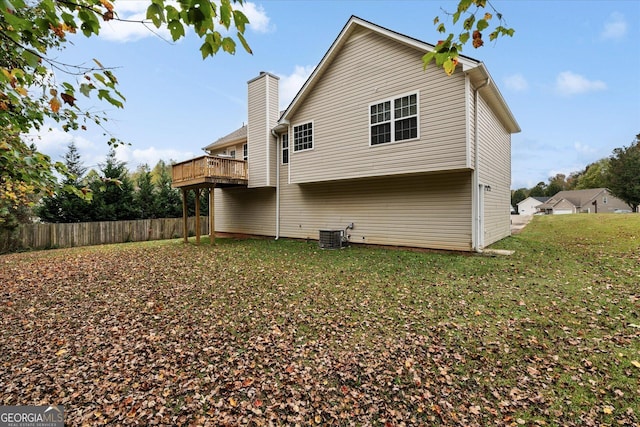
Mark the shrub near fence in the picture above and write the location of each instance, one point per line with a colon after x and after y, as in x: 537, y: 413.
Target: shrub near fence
x: 50, y: 235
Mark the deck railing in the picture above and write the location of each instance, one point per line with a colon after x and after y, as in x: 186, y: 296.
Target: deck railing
x: 209, y: 167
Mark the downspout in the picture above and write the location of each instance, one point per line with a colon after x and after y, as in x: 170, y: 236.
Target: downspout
x: 476, y: 171
x: 278, y: 150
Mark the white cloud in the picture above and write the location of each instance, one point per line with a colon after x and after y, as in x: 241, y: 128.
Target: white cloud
x: 136, y: 11
x: 258, y: 19
x: 131, y: 31
x: 583, y: 149
x: 54, y: 142
x: 615, y: 27
x: 291, y: 84
x: 569, y: 83
x: 151, y: 155
x: 516, y: 82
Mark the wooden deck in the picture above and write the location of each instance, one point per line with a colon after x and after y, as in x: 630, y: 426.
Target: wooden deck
x: 207, y: 171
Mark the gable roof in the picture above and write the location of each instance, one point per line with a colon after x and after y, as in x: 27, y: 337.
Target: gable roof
x: 475, y: 69
x: 238, y: 135
x: 578, y: 198
x: 539, y: 199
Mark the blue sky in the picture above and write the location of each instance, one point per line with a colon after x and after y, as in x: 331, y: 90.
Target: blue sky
x: 571, y: 76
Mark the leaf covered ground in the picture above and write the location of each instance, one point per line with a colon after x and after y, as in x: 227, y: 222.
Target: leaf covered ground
x: 258, y: 332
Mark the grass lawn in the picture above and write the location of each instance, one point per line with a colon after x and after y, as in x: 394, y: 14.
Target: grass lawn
x: 267, y: 332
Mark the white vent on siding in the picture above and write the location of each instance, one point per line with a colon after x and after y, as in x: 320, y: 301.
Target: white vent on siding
x: 331, y: 239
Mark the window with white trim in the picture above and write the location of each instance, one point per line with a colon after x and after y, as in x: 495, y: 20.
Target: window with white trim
x: 285, y: 148
x: 232, y: 154
x: 303, y: 137
x: 394, y: 119
x: 245, y: 152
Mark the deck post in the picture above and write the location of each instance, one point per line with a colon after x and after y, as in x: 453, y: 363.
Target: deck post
x: 212, y: 222
x: 197, y: 191
x: 185, y: 229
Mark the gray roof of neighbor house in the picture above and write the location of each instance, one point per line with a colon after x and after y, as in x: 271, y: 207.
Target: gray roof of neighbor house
x: 541, y: 199
x: 237, y: 135
x: 578, y: 198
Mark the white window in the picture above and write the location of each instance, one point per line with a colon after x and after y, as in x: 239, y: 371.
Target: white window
x: 285, y: 148
x: 245, y: 152
x: 303, y: 137
x: 394, y: 120
x: 232, y: 154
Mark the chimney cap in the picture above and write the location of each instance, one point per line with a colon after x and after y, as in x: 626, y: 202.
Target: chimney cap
x: 263, y: 74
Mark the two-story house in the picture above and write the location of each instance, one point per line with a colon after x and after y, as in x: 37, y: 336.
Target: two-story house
x: 372, y: 144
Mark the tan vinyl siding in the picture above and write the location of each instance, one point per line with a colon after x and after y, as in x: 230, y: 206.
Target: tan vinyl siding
x: 372, y: 68
x: 245, y: 210
x: 263, y: 115
x: 227, y: 151
x: 471, y: 125
x: 564, y: 206
x: 274, y: 115
x: 495, y: 171
x: 428, y: 210
x: 256, y: 133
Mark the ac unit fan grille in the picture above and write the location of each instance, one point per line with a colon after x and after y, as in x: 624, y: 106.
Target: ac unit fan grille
x: 330, y: 239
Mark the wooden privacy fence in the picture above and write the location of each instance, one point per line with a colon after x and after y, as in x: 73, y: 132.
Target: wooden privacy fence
x: 42, y: 236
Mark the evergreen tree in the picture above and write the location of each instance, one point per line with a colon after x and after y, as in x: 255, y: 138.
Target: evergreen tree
x: 113, y: 195
x: 169, y: 202
x: 191, y: 202
x: 145, y: 197
x: 517, y: 196
x: 65, y: 205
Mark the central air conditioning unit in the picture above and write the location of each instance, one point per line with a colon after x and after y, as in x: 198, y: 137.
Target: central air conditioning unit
x: 331, y: 239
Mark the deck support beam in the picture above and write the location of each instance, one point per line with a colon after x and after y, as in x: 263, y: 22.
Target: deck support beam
x: 185, y: 214
x: 198, y: 191
x: 212, y: 222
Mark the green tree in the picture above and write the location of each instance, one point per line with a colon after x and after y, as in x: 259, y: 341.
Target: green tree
x: 24, y: 172
x: 540, y: 190
x: 594, y: 176
x: 624, y: 173
x: 169, y: 203
x: 31, y: 32
x: 146, y: 196
x: 556, y: 184
x: 18, y: 167
x: 66, y: 206
x: 113, y: 194
x: 517, y: 196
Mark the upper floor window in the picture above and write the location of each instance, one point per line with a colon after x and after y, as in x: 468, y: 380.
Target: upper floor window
x: 245, y: 152
x: 394, y: 119
x: 285, y: 148
x: 303, y: 137
x: 232, y: 154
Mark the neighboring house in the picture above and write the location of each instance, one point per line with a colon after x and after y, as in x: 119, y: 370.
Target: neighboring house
x: 529, y: 206
x: 594, y: 200
x: 373, y: 145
